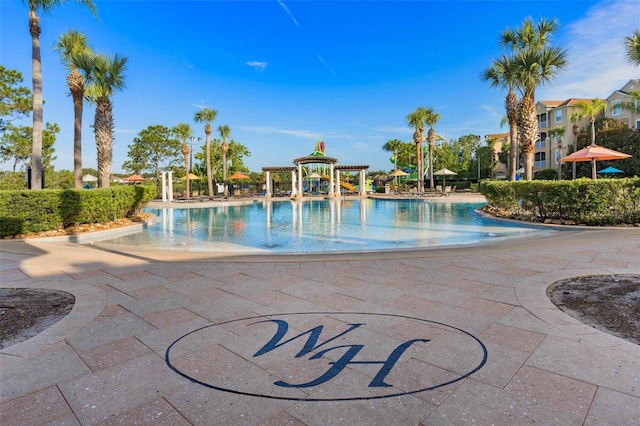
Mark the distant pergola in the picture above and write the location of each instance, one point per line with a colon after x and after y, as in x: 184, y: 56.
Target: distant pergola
x: 334, y: 175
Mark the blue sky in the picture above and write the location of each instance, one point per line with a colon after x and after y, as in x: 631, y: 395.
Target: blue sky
x: 282, y: 73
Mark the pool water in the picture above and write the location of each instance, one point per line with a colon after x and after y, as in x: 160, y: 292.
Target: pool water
x: 312, y: 226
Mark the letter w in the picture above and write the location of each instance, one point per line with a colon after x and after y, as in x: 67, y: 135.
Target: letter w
x: 309, y: 346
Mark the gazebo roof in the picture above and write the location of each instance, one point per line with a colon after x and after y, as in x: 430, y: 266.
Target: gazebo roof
x: 342, y: 167
x: 279, y: 169
x: 315, y: 160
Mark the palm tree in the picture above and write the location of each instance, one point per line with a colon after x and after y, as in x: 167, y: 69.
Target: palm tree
x: 207, y: 115
x: 105, y: 75
x: 394, y: 145
x: 592, y: 108
x: 575, y: 117
x: 537, y: 63
x: 183, y: 132
x: 502, y: 73
x: 431, y: 119
x: 632, y: 102
x: 632, y: 47
x: 416, y: 120
x: 44, y: 7
x: 70, y: 45
x: 224, y: 147
x: 557, y: 133
x: 491, y: 143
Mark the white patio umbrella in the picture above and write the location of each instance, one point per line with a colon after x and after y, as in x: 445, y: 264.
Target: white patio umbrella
x: 89, y: 178
x: 444, y: 173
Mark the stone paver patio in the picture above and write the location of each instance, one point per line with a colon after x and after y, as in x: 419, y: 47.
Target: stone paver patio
x: 461, y: 335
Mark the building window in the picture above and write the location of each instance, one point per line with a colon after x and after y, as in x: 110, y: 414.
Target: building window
x: 542, y: 142
x: 615, y: 110
x: 637, y: 124
x: 542, y: 121
x: 540, y: 160
x: 558, y: 115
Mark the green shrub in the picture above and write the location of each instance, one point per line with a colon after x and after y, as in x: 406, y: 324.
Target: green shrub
x: 36, y: 211
x: 587, y: 201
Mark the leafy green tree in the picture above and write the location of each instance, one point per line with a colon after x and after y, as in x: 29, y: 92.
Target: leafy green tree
x: 207, y: 115
x: 15, y: 145
x: 15, y: 100
x: 632, y: 47
x: 36, y: 7
x: 537, y: 63
x: 105, y: 75
x: 154, y: 149
x: 71, y: 45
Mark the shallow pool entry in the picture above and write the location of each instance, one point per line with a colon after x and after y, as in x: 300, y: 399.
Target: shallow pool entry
x: 295, y: 226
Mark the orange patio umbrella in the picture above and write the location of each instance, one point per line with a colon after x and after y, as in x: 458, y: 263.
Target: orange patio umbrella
x: 238, y: 175
x: 134, y: 178
x: 594, y: 153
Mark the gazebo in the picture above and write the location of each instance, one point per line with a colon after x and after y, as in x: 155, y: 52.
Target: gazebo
x: 317, y: 157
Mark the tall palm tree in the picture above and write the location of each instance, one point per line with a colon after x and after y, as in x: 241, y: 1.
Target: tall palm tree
x: 394, y: 145
x: 574, y: 117
x: 416, y: 120
x: 632, y: 47
x: 592, y: 108
x: 503, y: 73
x: 557, y: 133
x: 537, y: 63
x: 224, y: 131
x: 183, y: 132
x: 432, y: 118
x: 71, y: 45
x: 43, y: 7
x: 207, y: 115
x: 105, y: 75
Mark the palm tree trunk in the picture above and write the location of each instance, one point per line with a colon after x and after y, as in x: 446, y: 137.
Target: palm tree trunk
x: 36, y: 77
x: 529, y: 134
x: 76, y: 87
x: 207, y: 131
x: 103, y: 129
x: 511, y: 103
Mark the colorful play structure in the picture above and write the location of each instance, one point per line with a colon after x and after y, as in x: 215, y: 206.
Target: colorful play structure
x: 318, y: 174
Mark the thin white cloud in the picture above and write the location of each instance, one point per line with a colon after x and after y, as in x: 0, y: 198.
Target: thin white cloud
x: 258, y: 65
x: 325, y: 64
x: 595, y: 45
x: 125, y: 131
x: 274, y: 130
x: 286, y: 9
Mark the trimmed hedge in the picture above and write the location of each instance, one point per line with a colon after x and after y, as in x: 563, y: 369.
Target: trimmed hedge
x: 583, y: 201
x: 36, y: 211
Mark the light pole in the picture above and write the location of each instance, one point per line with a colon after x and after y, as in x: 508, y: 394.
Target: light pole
x: 191, y: 150
x: 190, y: 169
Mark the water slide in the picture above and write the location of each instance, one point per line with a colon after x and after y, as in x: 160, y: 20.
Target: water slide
x: 348, y: 186
x: 411, y: 168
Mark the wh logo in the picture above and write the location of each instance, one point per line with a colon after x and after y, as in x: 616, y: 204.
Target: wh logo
x: 346, y: 347
x: 336, y: 367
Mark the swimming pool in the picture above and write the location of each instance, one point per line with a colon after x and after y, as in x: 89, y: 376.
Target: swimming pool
x: 314, y: 226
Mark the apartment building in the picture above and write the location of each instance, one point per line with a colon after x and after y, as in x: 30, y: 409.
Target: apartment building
x: 556, y: 115
x: 614, y: 105
x: 501, y: 170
